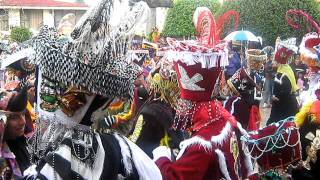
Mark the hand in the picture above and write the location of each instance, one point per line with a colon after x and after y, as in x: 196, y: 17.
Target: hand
x: 274, y: 98
x: 30, y: 171
x: 161, y: 151
x: 110, y: 121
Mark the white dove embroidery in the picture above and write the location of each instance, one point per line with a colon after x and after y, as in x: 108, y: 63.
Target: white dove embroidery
x: 190, y: 83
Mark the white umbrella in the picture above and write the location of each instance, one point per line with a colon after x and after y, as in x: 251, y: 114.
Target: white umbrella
x: 24, y: 53
x: 241, y: 36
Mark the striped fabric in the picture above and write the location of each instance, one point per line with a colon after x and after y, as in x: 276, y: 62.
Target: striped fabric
x: 111, y: 157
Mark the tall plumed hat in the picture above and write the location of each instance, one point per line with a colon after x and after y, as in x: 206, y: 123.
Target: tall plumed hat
x: 310, y: 49
x: 199, y: 74
x: 256, y: 58
x: 284, y: 50
x: 92, y: 62
x: 198, y: 69
x: 205, y: 26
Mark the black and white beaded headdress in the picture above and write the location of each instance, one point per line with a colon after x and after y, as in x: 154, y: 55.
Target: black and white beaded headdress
x: 73, y: 73
x: 94, y: 58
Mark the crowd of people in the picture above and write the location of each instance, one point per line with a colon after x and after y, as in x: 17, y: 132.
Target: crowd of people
x: 101, y: 105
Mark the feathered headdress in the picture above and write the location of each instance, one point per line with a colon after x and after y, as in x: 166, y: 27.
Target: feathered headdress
x: 310, y: 44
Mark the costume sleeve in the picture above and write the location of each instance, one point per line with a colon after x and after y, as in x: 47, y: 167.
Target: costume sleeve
x: 193, y: 164
x: 302, y: 114
x: 284, y: 89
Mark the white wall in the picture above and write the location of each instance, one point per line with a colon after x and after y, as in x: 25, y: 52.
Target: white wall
x: 14, y: 17
x: 48, y: 17
x: 161, y: 17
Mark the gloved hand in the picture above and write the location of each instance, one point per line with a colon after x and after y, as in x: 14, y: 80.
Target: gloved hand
x: 161, y: 151
x: 110, y: 121
x: 30, y: 171
x: 102, y: 121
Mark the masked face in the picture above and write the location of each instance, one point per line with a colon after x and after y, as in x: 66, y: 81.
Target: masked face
x: 15, y: 125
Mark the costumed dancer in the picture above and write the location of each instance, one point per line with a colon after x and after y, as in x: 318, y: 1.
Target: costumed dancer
x: 74, y: 79
x: 309, y: 56
x: 153, y: 127
x: 214, y: 151
x: 243, y: 90
x: 284, y: 101
x: 214, y: 147
x: 308, y: 53
x: 308, y: 119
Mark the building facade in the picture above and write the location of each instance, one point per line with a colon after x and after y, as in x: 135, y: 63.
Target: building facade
x: 33, y: 13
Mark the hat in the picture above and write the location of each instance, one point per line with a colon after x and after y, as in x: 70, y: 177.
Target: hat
x: 268, y: 50
x: 19, y: 60
x: 73, y: 72
x: 199, y: 74
x: 309, y: 49
x: 197, y: 68
x: 196, y: 83
x: 256, y: 58
x: 13, y: 101
x: 285, y: 49
x: 282, y: 55
x: 240, y: 83
x: 205, y: 24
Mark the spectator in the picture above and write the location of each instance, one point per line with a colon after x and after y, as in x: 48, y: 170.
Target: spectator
x: 14, y: 153
x: 269, y: 76
x: 301, y: 82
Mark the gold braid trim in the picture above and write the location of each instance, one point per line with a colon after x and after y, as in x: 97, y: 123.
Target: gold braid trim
x: 165, y: 140
x: 137, y: 129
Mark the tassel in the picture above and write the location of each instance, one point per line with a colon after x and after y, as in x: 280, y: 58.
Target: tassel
x: 165, y: 140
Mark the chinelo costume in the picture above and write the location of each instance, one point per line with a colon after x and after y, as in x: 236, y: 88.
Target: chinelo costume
x: 243, y: 91
x: 308, y: 118
x: 214, y: 151
x: 309, y: 55
x: 74, y: 79
x: 285, y: 85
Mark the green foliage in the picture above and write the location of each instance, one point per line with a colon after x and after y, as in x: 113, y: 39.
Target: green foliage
x: 179, y: 18
x: 266, y: 18
x: 20, y: 34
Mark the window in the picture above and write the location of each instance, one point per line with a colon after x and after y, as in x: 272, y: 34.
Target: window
x: 31, y: 18
x: 4, y: 20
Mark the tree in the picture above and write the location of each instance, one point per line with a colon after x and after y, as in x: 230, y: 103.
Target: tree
x: 20, y: 34
x: 266, y: 18
x: 179, y: 18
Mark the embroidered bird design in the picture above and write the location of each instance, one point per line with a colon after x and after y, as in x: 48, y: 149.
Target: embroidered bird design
x: 190, y: 83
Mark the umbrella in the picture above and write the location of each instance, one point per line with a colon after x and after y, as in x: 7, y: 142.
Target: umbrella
x: 10, y: 59
x: 241, y: 36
